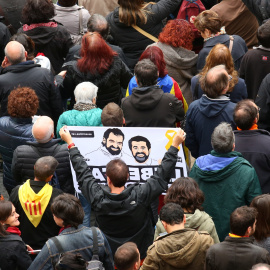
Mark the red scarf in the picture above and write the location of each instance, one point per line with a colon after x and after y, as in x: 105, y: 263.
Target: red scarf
x: 27, y: 27
x: 63, y: 228
x: 14, y: 230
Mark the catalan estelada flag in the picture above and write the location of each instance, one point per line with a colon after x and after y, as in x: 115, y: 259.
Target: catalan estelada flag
x: 34, y: 205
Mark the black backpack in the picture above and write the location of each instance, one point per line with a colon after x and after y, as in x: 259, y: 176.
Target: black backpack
x: 95, y: 263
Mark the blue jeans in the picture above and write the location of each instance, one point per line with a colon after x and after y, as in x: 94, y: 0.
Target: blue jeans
x: 87, y: 210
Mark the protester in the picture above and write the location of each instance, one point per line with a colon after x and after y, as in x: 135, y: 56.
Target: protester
x: 148, y: 105
x: 123, y: 214
x: 33, y: 200
x: 73, y: 237
x: 4, y: 39
x: 237, y: 251
x: 255, y: 63
x: 149, y: 17
x: 185, y: 192
x: 262, y: 232
x: 166, y: 83
x: 16, y: 129
x: 51, y: 38
x: 252, y: 142
x: 25, y: 156
x: 211, y: 109
x: 224, y: 176
x: 210, y: 26
x: 175, y: 41
x: 112, y: 116
x: 100, y: 65
x: 181, y: 248
x: 220, y: 55
x: 13, y: 251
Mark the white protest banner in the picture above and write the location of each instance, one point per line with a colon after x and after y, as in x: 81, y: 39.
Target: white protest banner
x: 139, y: 148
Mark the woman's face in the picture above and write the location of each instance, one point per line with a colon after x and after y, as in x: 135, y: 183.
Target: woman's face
x: 13, y: 220
x: 58, y: 221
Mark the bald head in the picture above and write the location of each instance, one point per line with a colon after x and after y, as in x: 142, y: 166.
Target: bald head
x: 216, y: 82
x: 43, y: 129
x: 15, y: 53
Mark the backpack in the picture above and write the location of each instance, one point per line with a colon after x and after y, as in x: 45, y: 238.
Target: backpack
x: 188, y: 11
x: 95, y: 263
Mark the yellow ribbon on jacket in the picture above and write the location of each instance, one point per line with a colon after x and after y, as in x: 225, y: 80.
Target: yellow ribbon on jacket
x: 34, y: 205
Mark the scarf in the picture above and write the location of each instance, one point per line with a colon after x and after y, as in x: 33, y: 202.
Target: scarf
x: 34, y: 205
x: 84, y: 106
x: 222, y: 32
x: 63, y: 228
x: 237, y: 236
x: 27, y: 27
x: 14, y: 230
x: 255, y: 126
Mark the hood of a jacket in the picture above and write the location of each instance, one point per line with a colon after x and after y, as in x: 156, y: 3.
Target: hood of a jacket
x: 18, y: 68
x: 235, y: 161
x: 179, y: 248
x: 67, y: 9
x: 196, y: 219
x: 43, y: 34
x: 212, y: 107
x: 144, y: 98
x: 178, y: 57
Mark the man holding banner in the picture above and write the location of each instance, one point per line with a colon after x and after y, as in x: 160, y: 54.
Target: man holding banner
x: 124, y: 214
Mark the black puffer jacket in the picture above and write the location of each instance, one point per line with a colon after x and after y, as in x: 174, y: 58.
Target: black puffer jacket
x: 40, y: 79
x: 4, y: 39
x: 109, y: 84
x: 130, y: 40
x: 13, y: 254
x: 25, y: 156
x: 260, y: 8
x: 54, y: 42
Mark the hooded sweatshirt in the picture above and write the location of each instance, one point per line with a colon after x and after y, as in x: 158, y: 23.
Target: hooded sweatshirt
x: 181, y: 249
x: 228, y: 181
x: 199, y: 220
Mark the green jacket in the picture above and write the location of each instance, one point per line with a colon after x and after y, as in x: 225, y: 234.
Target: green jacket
x: 200, y: 221
x: 181, y: 249
x: 228, y: 181
x: 79, y: 118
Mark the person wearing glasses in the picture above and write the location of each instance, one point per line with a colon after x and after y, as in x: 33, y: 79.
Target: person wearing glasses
x: 204, y: 114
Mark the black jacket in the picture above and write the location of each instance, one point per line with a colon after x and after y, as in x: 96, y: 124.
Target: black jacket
x: 126, y: 216
x: 151, y: 107
x: 40, y: 79
x: 109, y: 84
x: 263, y: 101
x: 33, y: 236
x: 4, y: 39
x: 260, y: 8
x: 130, y: 40
x: 53, y: 42
x: 253, y: 145
x: 13, y: 253
x: 25, y: 156
x: 235, y: 253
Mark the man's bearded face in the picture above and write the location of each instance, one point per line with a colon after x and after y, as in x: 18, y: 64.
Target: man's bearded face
x: 114, y: 144
x: 140, y: 151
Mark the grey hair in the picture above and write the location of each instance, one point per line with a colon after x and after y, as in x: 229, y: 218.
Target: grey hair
x: 260, y: 266
x: 49, y: 132
x: 85, y: 92
x: 18, y: 58
x: 222, y: 138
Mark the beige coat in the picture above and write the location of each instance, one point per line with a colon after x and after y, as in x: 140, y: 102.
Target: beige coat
x: 181, y: 249
x: 103, y: 7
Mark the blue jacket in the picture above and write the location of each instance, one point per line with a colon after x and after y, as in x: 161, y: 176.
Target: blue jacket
x: 203, y: 116
x: 13, y: 132
x: 239, y: 91
x: 75, y: 240
x: 238, y: 50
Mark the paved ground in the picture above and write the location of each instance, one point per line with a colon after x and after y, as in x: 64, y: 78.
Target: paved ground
x: 2, y: 188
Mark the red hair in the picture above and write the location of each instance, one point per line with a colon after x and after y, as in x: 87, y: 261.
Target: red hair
x: 96, y: 54
x: 155, y: 54
x: 177, y: 33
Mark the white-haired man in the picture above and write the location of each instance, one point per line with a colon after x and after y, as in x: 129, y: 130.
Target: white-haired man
x: 25, y: 156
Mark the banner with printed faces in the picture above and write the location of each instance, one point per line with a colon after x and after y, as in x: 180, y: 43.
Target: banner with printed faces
x: 140, y: 148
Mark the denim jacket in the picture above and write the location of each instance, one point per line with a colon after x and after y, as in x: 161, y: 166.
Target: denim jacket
x: 75, y: 240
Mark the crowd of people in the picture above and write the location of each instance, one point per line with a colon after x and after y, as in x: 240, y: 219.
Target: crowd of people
x: 134, y: 63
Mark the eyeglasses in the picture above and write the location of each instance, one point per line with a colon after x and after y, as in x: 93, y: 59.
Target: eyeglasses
x: 230, y: 77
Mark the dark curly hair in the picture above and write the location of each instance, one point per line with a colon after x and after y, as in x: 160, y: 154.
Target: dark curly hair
x: 38, y: 11
x: 185, y: 192
x: 22, y: 102
x: 177, y: 33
